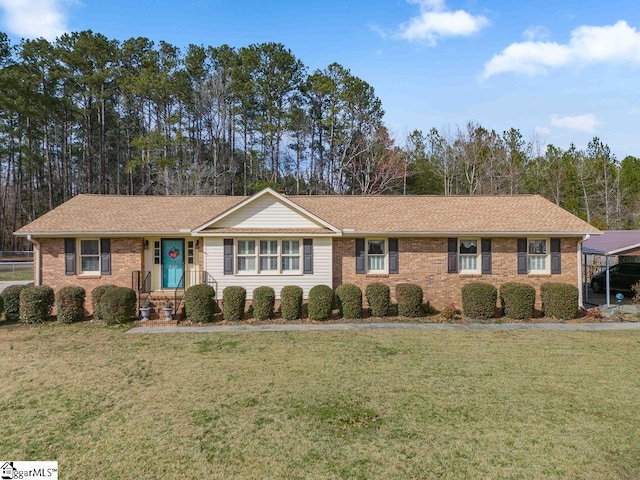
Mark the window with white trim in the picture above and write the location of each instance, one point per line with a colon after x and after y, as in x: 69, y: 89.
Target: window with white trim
x: 468, y: 255
x: 376, y: 251
x: 246, y: 256
x: 290, y: 255
x: 90, y: 256
x: 537, y: 255
x: 268, y: 256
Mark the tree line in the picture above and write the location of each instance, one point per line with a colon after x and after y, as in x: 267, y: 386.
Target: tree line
x: 88, y: 114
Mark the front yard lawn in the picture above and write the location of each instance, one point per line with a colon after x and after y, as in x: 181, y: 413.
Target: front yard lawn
x: 370, y: 404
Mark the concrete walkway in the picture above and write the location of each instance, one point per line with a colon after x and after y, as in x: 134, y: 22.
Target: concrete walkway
x: 310, y: 327
x: 7, y: 283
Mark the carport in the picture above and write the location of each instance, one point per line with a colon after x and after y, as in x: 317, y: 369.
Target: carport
x: 612, y: 243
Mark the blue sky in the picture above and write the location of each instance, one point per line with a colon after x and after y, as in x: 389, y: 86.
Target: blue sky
x: 564, y: 71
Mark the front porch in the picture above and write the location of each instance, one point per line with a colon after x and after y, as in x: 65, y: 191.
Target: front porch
x: 142, y: 283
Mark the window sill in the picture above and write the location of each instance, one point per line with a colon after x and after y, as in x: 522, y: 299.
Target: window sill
x: 470, y: 274
x: 377, y: 275
x: 268, y: 274
x: 539, y: 274
x: 89, y: 276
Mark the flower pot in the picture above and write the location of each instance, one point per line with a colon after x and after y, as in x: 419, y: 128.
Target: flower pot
x: 144, y: 313
x: 168, y: 313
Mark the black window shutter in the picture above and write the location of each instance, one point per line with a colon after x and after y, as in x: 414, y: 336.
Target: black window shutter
x: 522, y: 256
x: 452, y: 257
x: 307, y: 255
x: 393, y: 256
x: 70, y: 256
x: 555, y: 256
x: 360, y: 255
x: 228, y: 256
x: 105, y: 256
x: 486, y: 255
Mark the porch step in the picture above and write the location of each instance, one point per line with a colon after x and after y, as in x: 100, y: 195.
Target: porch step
x: 157, y: 323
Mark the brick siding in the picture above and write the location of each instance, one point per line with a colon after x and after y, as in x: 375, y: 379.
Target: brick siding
x: 126, y: 257
x: 423, y: 261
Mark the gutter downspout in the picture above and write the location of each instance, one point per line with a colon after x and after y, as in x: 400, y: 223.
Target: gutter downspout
x: 580, y: 273
x: 37, y: 267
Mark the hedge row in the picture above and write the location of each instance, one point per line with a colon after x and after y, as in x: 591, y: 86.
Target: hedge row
x: 114, y: 304
x: 559, y: 300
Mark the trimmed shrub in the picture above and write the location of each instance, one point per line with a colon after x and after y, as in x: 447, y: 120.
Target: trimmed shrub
x: 320, y: 302
x: 200, y: 303
x: 518, y: 300
x: 1, y: 304
x: 233, y: 301
x: 409, y: 297
x: 96, y: 294
x: 70, y: 304
x: 479, y: 300
x: 11, y: 297
x: 291, y: 302
x: 349, y: 299
x: 36, y: 303
x: 559, y: 300
x: 379, y: 298
x: 117, y: 305
x: 264, y: 299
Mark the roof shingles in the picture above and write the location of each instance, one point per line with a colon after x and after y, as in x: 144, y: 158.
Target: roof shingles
x: 438, y: 215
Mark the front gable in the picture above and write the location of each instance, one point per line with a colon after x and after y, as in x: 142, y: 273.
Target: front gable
x: 266, y: 211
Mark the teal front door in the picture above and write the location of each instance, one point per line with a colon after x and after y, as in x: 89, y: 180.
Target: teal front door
x: 172, y: 263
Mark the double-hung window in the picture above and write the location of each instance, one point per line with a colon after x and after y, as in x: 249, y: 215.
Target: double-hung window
x: 376, y: 256
x: 90, y: 256
x: 290, y: 255
x: 468, y: 253
x: 246, y: 257
x: 537, y: 255
x: 268, y: 256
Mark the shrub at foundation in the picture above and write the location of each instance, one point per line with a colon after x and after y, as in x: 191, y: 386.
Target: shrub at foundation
x: 70, y: 304
x: 200, y: 303
x: 36, y: 303
x: 117, y: 305
x: 264, y: 299
x: 379, y: 298
x: 291, y: 302
x: 518, y: 300
x: 559, y: 300
x: 320, y: 302
x: 96, y: 294
x: 11, y: 298
x: 233, y: 301
x: 349, y: 299
x: 409, y: 297
x: 479, y: 300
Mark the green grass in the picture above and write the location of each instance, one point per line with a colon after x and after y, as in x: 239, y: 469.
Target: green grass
x: 352, y: 405
x: 16, y: 272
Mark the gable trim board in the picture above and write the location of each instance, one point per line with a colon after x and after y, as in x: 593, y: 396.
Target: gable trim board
x: 305, y: 219
x: 329, y: 228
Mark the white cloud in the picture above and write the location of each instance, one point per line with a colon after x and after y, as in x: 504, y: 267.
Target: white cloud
x: 584, y: 123
x: 617, y: 43
x: 542, y: 131
x: 436, y: 21
x: 34, y: 18
x: 536, y: 33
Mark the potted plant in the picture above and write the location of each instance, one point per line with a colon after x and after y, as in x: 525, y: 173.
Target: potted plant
x: 144, y: 310
x: 168, y: 310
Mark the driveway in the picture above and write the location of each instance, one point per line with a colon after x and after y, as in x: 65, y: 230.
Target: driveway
x: 4, y: 285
